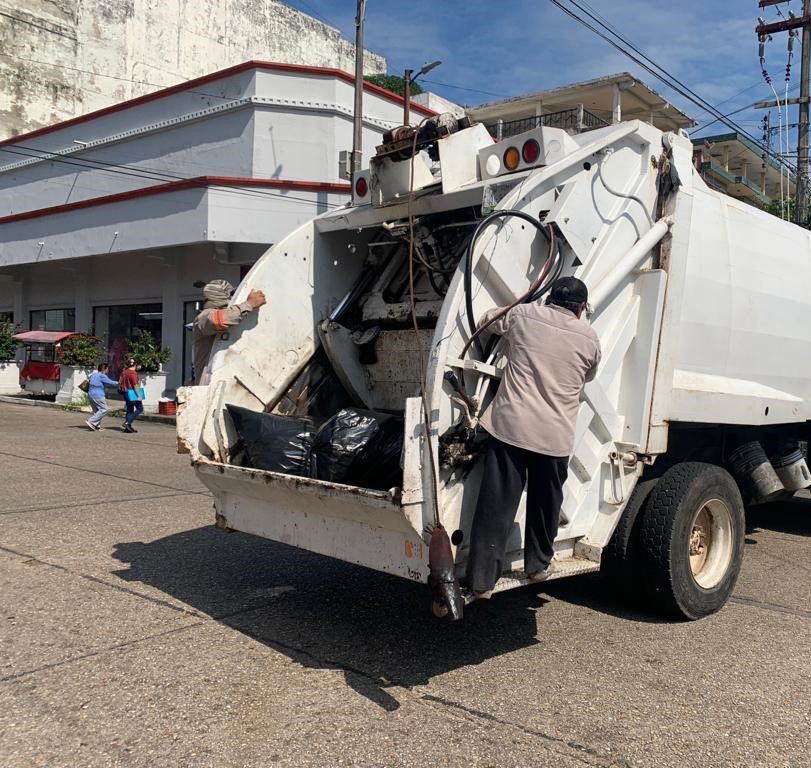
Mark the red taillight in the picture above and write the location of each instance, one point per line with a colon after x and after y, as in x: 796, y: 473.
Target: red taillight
x: 531, y: 151
x: 361, y: 187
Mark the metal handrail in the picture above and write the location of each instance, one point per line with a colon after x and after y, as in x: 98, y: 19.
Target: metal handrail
x: 576, y: 120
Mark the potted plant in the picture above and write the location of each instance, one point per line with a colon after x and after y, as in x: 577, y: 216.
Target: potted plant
x: 78, y: 357
x: 150, y: 357
x: 9, y: 367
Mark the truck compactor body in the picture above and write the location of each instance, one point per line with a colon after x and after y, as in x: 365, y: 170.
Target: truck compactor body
x: 701, y: 401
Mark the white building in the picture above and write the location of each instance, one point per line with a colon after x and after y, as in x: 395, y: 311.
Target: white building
x: 108, y: 220
x: 63, y: 59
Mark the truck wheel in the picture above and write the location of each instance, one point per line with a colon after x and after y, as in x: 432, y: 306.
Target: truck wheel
x: 691, y: 539
x: 619, y: 562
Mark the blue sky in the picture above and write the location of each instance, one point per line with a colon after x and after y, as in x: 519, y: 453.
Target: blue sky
x: 496, y: 49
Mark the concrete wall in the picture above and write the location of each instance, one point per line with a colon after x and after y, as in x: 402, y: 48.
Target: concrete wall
x: 62, y: 58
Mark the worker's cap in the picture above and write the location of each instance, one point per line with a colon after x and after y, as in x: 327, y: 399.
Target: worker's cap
x: 569, y: 290
x: 218, y: 291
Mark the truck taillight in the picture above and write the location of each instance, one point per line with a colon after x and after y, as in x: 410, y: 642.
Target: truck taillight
x: 511, y: 158
x: 531, y: 151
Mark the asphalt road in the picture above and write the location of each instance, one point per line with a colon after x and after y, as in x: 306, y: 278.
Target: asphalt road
x: 134, y: 633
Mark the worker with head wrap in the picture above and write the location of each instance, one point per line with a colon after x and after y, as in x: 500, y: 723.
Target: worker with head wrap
x: 216, y: 318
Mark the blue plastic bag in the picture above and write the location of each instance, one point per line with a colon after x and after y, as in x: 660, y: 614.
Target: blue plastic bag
x: 133, y: 395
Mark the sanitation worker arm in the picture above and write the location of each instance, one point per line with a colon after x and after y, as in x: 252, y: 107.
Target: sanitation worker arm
x: 500, y: 326
x: 213, y: 321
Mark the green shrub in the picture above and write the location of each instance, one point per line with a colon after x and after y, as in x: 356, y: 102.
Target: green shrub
x: 393, y: 83
x: 82, y: 351
x: 7, y: 344
x: 147, y: 353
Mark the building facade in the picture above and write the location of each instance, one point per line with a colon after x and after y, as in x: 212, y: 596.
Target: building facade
x: 734, y: 165
x: 107, y: 221
x: 67, y: 58
x: 580, y: 107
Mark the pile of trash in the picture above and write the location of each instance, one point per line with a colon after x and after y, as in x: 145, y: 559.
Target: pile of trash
x: 353, y: 447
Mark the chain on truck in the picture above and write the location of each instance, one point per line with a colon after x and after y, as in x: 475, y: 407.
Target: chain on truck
x: 700, y: 405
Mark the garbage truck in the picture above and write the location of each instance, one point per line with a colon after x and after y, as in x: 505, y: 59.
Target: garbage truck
x: 699, y: 408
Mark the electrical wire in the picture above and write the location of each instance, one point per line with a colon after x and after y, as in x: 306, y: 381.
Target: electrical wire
x: 768, y: 79
x: 617, y: 193
x: 621, y: 44
x: 147, y: 174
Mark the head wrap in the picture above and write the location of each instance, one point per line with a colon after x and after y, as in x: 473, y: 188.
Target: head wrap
x: 218, y: 292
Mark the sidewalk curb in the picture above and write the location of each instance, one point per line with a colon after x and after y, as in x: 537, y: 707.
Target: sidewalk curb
x: 114, y: 411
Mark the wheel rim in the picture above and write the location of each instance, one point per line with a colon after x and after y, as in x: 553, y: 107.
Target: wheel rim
x: 709, y: 546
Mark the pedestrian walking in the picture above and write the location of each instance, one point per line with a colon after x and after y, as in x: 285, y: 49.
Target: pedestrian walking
x: 551, y: 355
x: 98, y: 400
x: 128, y: 382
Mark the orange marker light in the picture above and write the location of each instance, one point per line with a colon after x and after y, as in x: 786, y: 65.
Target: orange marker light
x: 511, y: 158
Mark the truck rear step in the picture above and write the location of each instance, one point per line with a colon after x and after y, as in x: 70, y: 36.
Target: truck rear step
x: 571, y: 566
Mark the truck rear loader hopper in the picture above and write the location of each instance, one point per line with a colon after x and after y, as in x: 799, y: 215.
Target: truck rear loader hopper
x: 700, y: 404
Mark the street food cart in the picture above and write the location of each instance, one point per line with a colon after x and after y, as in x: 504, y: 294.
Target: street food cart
x: 42, y: 372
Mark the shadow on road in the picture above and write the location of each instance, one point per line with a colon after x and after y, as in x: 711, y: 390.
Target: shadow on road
x: 792, y: 515
x: 326, y: 614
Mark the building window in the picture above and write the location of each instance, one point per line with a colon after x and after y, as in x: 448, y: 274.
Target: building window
x: 53, y: 319
x: 7, y: 317
x: 119, y: 324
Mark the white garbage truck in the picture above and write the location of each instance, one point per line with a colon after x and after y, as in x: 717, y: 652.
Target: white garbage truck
x: 700, y: 405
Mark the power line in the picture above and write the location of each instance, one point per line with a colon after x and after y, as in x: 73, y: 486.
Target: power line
x: 464, y: 88
x: 657, y: 70
x: 160, y: 176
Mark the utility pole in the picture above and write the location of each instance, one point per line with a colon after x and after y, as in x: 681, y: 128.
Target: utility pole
x: 407, y: 95
x: 357, y: 138
x: 788, y: 25
x: 802, y: 139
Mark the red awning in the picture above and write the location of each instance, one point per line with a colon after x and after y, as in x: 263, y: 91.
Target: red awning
x: 42, y: 337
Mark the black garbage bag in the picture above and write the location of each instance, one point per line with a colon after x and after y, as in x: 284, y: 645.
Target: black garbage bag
x: 276, y: 443
x: 358, y: 447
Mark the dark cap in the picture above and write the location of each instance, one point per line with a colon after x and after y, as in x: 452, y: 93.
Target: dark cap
x: 568, y: 291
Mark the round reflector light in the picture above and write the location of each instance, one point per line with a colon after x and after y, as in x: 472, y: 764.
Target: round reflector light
x: 361, y: 187
x: 531, y: 151
x: 511, y: 158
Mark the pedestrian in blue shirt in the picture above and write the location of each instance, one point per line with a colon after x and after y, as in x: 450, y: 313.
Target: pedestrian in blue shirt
x: 98, y: 402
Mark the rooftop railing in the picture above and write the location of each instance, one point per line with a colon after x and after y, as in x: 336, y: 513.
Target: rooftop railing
x: 576, y: 120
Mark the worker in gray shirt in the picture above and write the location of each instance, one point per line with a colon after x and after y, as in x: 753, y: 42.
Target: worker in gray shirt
x: 216, y: 317
x: 551, y: 354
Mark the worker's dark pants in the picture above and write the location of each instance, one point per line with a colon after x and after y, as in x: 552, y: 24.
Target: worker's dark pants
x: 506, y: 470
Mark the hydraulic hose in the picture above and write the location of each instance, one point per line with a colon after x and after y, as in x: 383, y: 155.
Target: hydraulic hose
x: 535, y: 290
x: 471, y: 319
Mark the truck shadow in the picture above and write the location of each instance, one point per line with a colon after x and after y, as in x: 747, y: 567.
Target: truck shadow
x: 792, y: 515
x: 326, y: 614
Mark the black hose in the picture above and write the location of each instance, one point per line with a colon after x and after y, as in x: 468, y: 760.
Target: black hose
x: 469, y: 263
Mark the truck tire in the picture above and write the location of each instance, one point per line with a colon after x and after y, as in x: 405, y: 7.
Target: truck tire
x: 619, y: 562
x: 691, y: 539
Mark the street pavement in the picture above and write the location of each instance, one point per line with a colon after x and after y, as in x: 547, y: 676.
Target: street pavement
x: 134, y: 633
